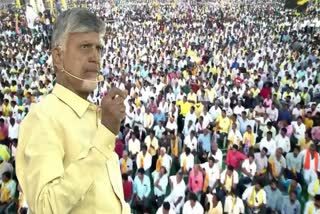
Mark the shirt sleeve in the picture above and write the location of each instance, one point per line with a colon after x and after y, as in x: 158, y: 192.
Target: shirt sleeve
x: 13, y: 188
x: 264, y: 197
x: 241, y: 205
x: 135, y: 185
x: 245, y: 194
x: 49, y: 187
x: 164, y: 184
x: 148, y: 186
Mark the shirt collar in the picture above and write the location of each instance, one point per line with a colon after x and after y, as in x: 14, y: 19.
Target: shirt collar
x: 75, y: 102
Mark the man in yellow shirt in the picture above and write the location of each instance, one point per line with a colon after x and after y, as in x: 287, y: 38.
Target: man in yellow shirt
x: 223, y: 125
x: 184, y: 106
x: 65, y: 159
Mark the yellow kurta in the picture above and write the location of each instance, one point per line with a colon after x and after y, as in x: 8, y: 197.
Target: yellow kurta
x: 65, y: 161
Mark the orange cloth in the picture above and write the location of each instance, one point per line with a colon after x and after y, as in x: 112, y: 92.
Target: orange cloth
x: 124, y: 166
x: 159, y: 163
x: 175, y: 149
x: 273, y: 168
x: 142, y: 162
x: 308, y: 158
x: 184, y: 164
x: 206, y: 182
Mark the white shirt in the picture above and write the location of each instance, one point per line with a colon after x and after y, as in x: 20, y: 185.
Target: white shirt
x: 237, y: 208
x: 270, y: 145
x: 138, y: 119
x: 273, y: 114
x: 178, y: 190
x: 214, y: 112
x: 134, y: 146
x: 283, y: 142
x: 154, y: 143
x: 192, y: 144
x: 311, y: 188
x: 158, y: 131
x: 163, y: 183
x: 251, y: 168
x: 206, y: 119
x: 189, y: 159
x: 214, y: 173
x: 129, y: 118
x: 147, y: 161
x: 187, y: 130
x: 238, y: 110
x: 299, y: 130
x: 235, y: 135
x: 166, y: 162
x: 197, y: 209
x: 148, y: 121
x: 235, y: 177
x: 172, y: 126
x: 191, y: 117
x: 247, y: 194
x: 160, y: 210
x: 13, y: 131
x: 218, y: 157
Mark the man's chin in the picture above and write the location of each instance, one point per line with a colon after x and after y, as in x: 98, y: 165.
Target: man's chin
x: 89, y: 86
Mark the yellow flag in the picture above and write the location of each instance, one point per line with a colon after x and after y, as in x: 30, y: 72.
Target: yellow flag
x: 18, y: 4
x: 302, y: 2
x: 64, y: 5
x: 51, y: 7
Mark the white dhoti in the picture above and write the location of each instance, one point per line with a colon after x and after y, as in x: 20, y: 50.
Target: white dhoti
x: 171, y: 199
x: 309, y: 175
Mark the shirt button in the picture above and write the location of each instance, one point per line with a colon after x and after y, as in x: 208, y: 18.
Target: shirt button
x: 109, y: 146
x: 82, y: 198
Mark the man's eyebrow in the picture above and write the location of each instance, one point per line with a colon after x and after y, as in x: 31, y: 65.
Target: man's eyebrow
x: 90, y: 42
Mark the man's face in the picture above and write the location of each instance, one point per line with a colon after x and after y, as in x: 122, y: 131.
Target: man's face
x: 165, y: 211
x: 273, y: 186
x: 192, y: 203
x: 257, y: 187
x: 140, y: 175
x: 4, y: 178
x: 81, y: 57
x: 293, y: 197
x: 124, y: 156
x: 179, y: 178
x: 269, y: 136
x: 211, y: 163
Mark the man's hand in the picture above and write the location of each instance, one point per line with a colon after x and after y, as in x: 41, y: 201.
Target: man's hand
x: 113, y: 109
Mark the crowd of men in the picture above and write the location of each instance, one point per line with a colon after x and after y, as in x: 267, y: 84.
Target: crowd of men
x: 223, y: 111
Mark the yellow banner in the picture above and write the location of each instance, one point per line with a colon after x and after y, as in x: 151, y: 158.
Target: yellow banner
x: 302, y: 2
x: 18, y: 4
x: 51, y: 7
x: 64, y: 5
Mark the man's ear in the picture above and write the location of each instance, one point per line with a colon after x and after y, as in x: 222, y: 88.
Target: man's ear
x: 57, y: 58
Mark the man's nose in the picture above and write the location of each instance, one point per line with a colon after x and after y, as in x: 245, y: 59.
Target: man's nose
x: 95, y: 56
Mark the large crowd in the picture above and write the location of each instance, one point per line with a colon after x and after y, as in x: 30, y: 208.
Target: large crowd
x: 223, y: 112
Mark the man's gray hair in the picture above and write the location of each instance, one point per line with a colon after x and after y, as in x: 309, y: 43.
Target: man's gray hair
x: 76, y: 20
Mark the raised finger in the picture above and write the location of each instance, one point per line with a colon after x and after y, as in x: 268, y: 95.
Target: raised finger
x: 114, y: 92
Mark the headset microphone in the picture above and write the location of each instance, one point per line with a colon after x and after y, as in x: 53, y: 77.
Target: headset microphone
x: 78, y: 78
